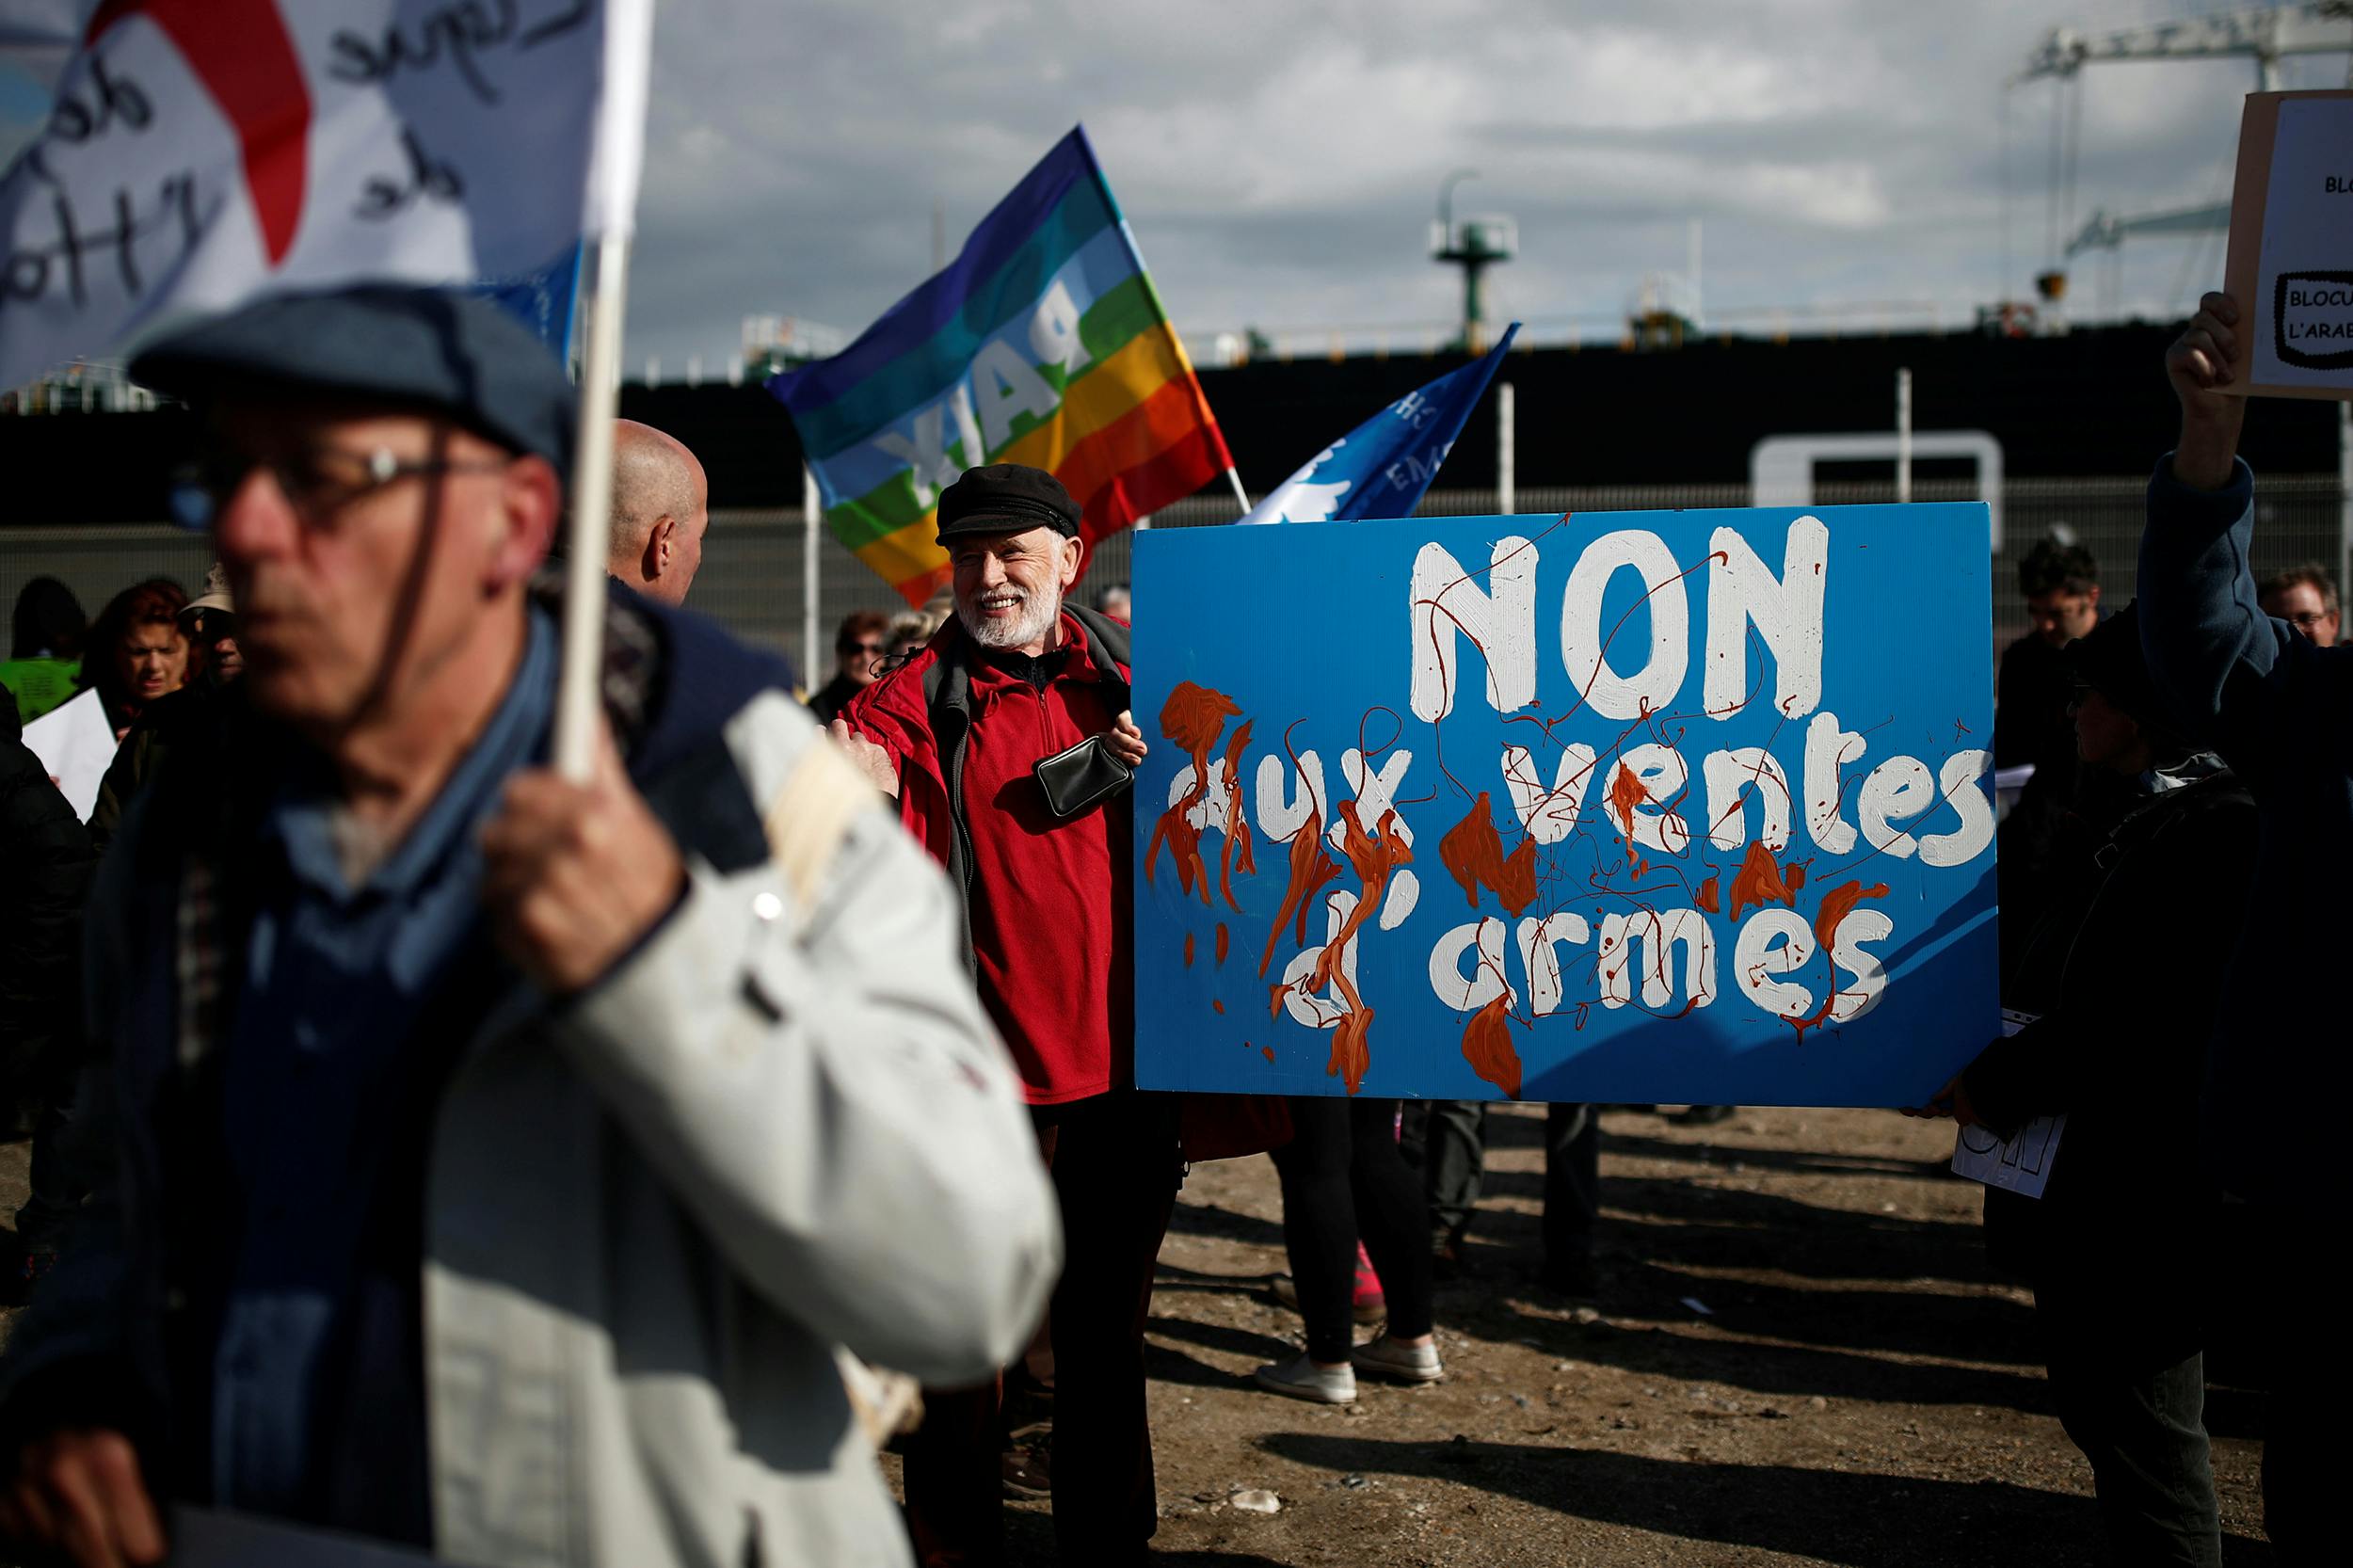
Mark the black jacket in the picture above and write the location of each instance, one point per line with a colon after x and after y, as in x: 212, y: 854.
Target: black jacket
x: 2123, y: 971
x: 46, y: 864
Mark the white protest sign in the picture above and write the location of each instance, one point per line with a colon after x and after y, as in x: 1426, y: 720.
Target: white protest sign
x: 2021, y: 1163
x: 74, y: 743
x: 201, y: 151
x: 2290, y: 263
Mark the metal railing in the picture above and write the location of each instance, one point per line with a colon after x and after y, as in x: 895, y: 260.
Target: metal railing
x: 751, y: 570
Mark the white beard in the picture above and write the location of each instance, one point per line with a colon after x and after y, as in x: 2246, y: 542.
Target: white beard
x: 1034, y: 619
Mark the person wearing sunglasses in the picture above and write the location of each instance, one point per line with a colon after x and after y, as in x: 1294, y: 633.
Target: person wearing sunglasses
x: 506, y: 1160
x: 858, y: 651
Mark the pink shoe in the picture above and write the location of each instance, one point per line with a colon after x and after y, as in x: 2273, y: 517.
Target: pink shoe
x: 1368, y: 1301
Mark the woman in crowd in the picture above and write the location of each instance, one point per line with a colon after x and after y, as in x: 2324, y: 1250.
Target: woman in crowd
x: 138, y: 651
x: 1342, y: 1178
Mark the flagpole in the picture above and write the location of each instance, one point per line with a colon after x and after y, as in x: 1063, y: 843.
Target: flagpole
x: 584, y: 550
x: 1240, y: 495
x: 812, y: 520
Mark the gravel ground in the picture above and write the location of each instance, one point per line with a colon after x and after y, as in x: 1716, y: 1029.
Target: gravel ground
x: 1799, y: 1356
x: 1860, y: 1389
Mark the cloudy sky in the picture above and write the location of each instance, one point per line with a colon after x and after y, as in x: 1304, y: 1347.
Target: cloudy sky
x: 1279, y: 162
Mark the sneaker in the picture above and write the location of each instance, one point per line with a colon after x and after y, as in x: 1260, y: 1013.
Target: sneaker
x: 1301, y: 1379
x: 1385, y: 1358
x: 1364, y: 1309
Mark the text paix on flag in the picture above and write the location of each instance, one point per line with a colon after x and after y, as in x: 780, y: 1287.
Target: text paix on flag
x: 1043, y: 343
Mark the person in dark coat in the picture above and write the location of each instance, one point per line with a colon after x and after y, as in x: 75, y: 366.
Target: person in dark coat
x: 46, y: 866
x: 2120, y: 1248
x: 2274, y: 703
x: 2033, y: 726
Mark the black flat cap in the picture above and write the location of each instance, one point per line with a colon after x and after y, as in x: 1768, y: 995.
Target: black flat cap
x: 1006, y: 498
x: 430, y: 349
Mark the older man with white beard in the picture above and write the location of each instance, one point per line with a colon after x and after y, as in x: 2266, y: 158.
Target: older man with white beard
x: 975, y: 738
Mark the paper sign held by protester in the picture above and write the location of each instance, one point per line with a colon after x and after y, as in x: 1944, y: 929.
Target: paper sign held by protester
x: 74, y: 743
x: 2291, y: 264
x: 2023, y: 1163
x: 1686, y: 807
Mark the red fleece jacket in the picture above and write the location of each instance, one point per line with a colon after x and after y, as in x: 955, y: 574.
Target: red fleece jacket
x: 1049, y: 897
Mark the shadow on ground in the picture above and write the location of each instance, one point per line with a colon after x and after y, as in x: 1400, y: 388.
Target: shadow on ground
x: 1846, y: 1517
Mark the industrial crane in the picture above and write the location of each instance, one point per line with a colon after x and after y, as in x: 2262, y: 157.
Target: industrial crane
x: 2265, y: 35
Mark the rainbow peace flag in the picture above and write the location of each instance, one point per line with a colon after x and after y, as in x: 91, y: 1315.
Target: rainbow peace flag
x: 1044, y: 343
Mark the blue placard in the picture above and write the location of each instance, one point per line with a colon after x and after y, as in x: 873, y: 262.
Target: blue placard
x: 1680, y: 806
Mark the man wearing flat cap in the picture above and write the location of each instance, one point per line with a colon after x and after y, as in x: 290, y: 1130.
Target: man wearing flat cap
x: 974, y: 737
x: 504, y: 1162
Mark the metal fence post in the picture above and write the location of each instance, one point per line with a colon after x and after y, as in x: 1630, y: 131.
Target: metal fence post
x: 1507, y: 458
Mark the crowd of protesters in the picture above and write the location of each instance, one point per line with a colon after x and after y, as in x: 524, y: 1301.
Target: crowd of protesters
x: 431, y: 1147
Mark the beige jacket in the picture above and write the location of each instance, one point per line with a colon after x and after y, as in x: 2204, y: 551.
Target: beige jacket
x: 783, y: 1126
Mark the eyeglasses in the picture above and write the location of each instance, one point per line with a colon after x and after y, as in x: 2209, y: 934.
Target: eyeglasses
x: 2308, y: 618
x: 316, y: 481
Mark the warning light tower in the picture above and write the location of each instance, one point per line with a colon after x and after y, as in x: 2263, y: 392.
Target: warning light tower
x: 1474, y: 245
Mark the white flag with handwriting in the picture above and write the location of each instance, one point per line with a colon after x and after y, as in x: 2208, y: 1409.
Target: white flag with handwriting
x: 202, y: 153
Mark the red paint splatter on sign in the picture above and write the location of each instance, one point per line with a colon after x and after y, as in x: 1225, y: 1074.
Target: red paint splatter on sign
x: 1473, y: 853
x: 1758, y: 882
x: 1310, y: 870
x: 1626, y: 794
x: 1194, y: 716
x: 1840, y: 901
x: 1350, y: 1053
x: 1487, y: 1046
x: 1239, y: 853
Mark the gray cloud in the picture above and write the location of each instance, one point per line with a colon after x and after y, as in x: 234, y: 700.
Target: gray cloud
x: 1279, y: 163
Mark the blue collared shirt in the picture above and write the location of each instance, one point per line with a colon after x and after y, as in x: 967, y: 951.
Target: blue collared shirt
x: 354, y: 1005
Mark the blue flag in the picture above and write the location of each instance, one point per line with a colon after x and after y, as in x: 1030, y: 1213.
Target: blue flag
x: 1380, y: 469
x: 541, y: 301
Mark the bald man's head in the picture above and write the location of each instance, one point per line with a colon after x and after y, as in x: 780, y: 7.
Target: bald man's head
x: 660, y: 510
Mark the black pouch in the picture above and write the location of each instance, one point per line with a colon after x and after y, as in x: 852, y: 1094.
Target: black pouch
x: 1081, y: 776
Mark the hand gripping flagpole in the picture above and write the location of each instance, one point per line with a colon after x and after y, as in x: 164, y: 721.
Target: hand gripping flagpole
x: 610, y: 215
x: 585, y: 548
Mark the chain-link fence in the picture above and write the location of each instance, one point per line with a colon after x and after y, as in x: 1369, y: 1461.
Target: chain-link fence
x: 752, y: 560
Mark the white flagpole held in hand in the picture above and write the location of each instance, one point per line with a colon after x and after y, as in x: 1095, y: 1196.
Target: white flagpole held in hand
x: 609, y: 213
x: 1239, y: 494
x: 592, y: 510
